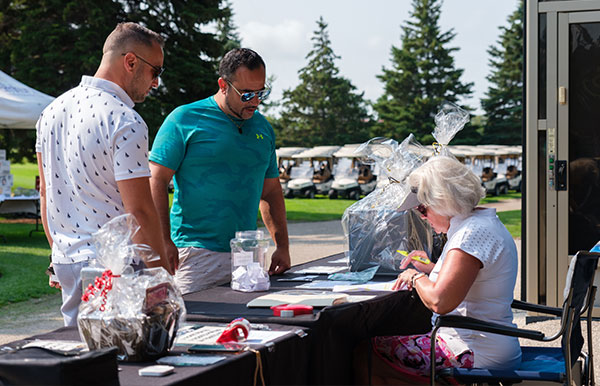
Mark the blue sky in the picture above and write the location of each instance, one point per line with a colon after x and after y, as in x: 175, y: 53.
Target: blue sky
x: 362, y: 32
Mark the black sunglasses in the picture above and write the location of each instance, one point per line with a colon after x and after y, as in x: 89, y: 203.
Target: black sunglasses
x: 422, y: 209
x: 248, y: 96
x: 156, y: 71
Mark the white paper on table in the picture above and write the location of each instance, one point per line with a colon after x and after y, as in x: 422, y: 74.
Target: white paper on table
x: 341, y: 260
x: 325, y: 284
x: 58, y: 345
x: 210, y: 334
x: 369, y: 286
x: 262, y: 337
x: 320, y: 269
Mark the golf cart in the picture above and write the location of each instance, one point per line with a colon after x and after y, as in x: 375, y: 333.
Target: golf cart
x: 513, y: 170
x: 314, y: 174
x: 351, y: 177
x: 493, y: 169
x: 285, y: 163
x: 486, y: 161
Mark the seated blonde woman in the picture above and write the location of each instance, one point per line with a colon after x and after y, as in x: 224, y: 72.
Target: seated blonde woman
x: 474, y: 276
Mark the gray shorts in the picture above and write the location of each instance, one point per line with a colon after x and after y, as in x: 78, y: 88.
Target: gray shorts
x: 201, y: 268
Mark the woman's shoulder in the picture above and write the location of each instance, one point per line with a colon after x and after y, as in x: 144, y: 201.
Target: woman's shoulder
x: 483, y: 235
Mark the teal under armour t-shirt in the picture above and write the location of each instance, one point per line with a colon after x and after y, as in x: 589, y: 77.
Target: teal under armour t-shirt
x: 219, y: 173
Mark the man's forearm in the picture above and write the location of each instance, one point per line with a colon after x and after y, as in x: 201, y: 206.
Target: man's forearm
x: 43, y: 205
x: 151, y: 234
x: 160, y: 197
x: 272, y: 210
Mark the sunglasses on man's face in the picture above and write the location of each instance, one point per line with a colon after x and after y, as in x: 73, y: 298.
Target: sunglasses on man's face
x: 156, y: 71
x: 249, y: 95
x: 422, y: 209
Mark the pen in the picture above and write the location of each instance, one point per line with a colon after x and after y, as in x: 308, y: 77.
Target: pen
x: 420, y: 259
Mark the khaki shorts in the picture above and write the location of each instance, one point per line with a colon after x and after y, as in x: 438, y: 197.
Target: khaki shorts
x: 201, y: 268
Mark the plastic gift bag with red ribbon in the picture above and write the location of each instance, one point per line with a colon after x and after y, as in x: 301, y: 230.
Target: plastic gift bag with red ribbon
x: 136, y: 311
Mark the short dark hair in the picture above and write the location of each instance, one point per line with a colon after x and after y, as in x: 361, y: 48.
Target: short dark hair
x: 239, y: 57
x: 126, y: 34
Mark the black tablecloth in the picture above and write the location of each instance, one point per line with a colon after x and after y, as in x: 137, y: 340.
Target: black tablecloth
x: 335, y: 330
x: 284, y: 363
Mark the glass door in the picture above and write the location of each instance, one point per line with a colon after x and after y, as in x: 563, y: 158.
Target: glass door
x: 578, y: 137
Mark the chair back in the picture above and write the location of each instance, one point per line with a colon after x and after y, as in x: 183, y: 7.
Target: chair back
x: 578, y: 296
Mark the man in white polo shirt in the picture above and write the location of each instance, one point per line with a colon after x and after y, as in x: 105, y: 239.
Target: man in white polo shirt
x: 92, y: 151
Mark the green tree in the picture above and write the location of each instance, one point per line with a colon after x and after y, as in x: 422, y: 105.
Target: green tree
x: 191, y: 54
x: 49, y: 44
x: 227, y: 31
x: 504, y: 99
x: 421, y: 77
x: 324, y: 108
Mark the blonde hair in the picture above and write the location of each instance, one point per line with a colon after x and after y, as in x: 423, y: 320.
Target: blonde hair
x: 447, y: 186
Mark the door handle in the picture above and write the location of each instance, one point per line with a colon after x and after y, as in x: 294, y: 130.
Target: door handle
x: 561, y: 175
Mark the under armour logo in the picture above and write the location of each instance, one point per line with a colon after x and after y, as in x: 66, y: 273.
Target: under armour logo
x: 259, y: 136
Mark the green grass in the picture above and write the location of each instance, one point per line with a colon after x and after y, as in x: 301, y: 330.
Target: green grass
x: 508, y: 196
x: 512, y: 220
x: 320, y: 208
x: 24, y: 175
x: 23, y: 261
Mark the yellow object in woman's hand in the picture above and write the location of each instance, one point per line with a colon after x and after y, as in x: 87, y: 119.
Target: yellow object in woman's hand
x: 420, y: 259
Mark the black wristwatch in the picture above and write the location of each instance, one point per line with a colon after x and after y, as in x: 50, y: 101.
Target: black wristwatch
x: 50, y: 269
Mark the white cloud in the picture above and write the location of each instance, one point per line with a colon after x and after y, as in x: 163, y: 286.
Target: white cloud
x: 286, y: 39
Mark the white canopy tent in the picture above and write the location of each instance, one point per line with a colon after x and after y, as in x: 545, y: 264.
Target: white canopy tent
x: 20, y: 105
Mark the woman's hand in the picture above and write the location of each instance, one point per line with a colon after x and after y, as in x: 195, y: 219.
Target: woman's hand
x: 419, y: 260
x: 405, y: 279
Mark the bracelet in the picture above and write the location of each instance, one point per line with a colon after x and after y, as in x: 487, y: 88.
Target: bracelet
x: 416, y: 277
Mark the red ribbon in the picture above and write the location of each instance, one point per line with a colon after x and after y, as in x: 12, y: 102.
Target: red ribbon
x: 102, y: 284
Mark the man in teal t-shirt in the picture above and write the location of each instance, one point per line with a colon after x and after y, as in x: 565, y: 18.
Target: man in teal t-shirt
x: 220, y: 152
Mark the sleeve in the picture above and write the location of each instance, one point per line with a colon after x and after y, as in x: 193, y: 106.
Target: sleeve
x: 169, y: 144
x: 130, y: 150
x: 478, y: 240
x: 272, y: 170
x: 38, y: 134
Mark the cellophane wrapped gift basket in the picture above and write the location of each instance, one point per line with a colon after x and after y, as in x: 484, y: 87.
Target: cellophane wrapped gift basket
x: 377, y: 234
x: 137, y: 312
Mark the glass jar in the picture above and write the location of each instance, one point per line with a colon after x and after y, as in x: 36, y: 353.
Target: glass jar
x: 248, y: 261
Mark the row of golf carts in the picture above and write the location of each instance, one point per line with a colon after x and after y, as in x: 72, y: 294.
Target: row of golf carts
x: 338, y: 171
x: 335, y: 171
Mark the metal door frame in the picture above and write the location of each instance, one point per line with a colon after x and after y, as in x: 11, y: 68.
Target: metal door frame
x: 552, y: 235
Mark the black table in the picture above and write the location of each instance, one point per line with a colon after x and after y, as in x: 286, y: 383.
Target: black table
x: 335, y: 330
x: 284, y: 362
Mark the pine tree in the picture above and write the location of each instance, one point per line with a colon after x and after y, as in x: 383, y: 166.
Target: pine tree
x: 226, y: 30
x: 50, y: 44
x: 504, y: 99
x: 191, y: 54
x: 422, y: 77
x: 324, y: 109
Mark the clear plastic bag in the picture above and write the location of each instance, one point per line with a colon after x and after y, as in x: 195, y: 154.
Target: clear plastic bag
x: 375, y: 230
x: 448, y: 121
x: 138, y: 312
